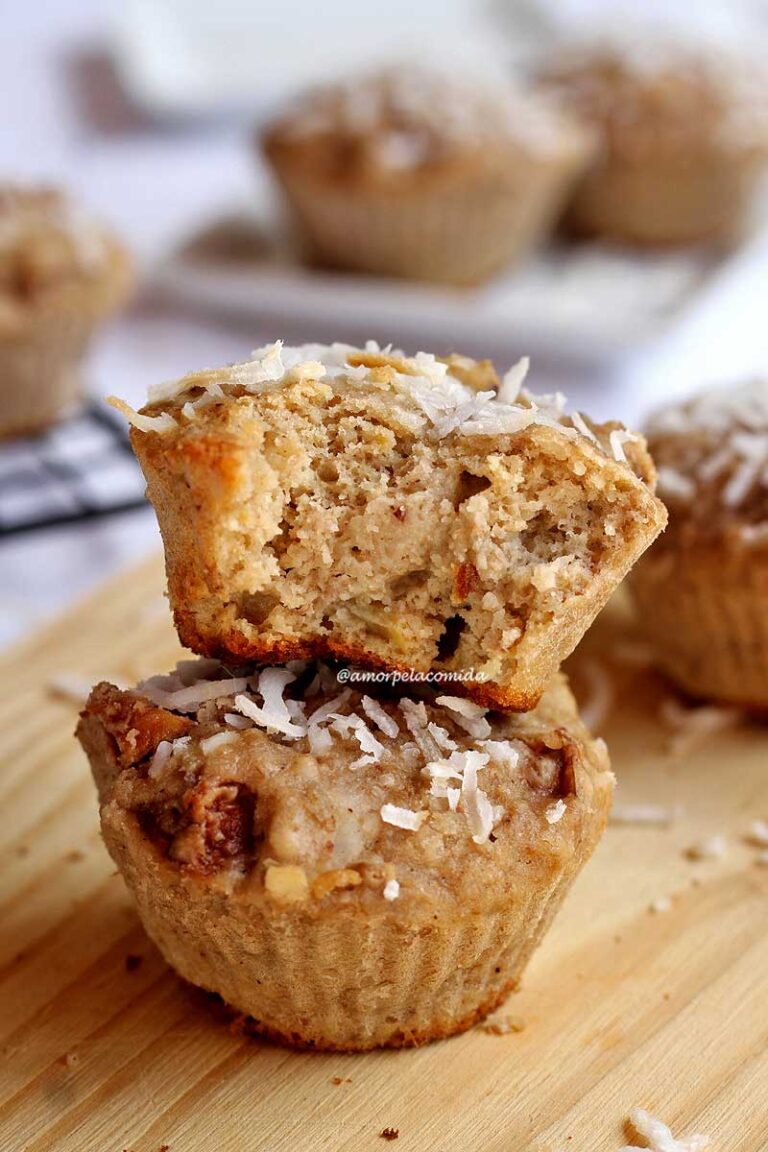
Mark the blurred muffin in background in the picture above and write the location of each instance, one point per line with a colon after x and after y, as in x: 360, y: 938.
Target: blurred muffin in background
x: 702, y: 589
x: 684, y: 140
x: 414, y: 174
x: 61, y: 273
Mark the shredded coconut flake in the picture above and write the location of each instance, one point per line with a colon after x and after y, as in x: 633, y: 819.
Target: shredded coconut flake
x: 617, y: 439
x: 162, y: 755
x: 218, y: 740
x: 391, y: 890
x: 468, y: 715
x: 712, y: 848
x: 555, y: 812
x: 403, y: 818
x: 653, y: 815
x: 274, y: 714
x: 162, y: 423
x: 382, y: 719
x: 189, y: 699
x: 658, y: 1137
x: 513, y: 380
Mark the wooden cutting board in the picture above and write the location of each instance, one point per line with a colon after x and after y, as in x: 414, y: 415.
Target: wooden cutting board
x: 103, y: 1049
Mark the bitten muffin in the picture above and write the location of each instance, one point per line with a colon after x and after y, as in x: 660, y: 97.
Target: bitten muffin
x: 61, y: 274
x: 684, y: 140
x: 332, y: 501
x: 417, y: 175
x: 349, y: 870
x: 703, y: 589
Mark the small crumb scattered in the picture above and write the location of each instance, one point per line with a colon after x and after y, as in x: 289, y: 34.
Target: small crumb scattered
x: 389, y: 1133
x: 164, y: 1148
x: 712, y: 848
x: 661, y: 904
x: 70, y: 1060
x: 340, y: 1080
x: 692, y: 727
x: 132, y: 962
x: 757, y: 834
x: 503, y: 1025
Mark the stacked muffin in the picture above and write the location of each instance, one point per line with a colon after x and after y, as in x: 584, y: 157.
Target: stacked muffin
x: 354, y: 815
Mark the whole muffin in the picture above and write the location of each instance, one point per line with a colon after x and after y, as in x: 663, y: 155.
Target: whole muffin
x: 703, y: 588
x: 684, y: 140
x: 406, y: 513
x: 416, y: 175
x: 61, y: 274
x: 349, y: 870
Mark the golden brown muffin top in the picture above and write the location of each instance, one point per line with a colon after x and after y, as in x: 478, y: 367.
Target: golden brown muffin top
x: 52, y: 253
x: 287, y: 782
x: 393, y: 123
x: 653, y: 99
x: 439, y: 396
x: 712, y: 458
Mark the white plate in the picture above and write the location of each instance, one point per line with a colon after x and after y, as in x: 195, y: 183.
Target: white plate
x: 579, y: 302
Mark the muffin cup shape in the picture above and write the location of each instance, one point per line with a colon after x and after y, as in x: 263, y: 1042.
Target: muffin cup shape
x: 40, y: 376
x: 48, y: 316
x: 705, y: 609
x: 460, y: 229
x: 324, y: 959
x: 667, y: 201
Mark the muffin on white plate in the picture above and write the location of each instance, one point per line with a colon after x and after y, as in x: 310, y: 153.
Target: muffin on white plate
x: 415, y: 174
x: 683, y: 141
x: 703, y: 587
x: 350, y: 870
x: 61, y: 275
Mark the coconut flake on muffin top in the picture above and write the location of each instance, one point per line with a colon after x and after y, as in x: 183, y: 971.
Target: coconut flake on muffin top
x: 443, y: 396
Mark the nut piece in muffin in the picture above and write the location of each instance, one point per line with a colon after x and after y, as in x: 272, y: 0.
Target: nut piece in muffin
x: 702, y: 589
x: 684, y: 139
x: 415, y: 174
x: 61, y: 274
x: 332, y: 501
x: 349, y: 870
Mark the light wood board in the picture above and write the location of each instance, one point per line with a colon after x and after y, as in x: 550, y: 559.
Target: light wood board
x: 622, y: 1007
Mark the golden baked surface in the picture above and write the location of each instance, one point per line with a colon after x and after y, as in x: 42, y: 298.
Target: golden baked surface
x: 359, y: 505
x: 349, y: 869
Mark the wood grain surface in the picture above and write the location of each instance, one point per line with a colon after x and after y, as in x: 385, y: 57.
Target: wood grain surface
x: 103, y: 1049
